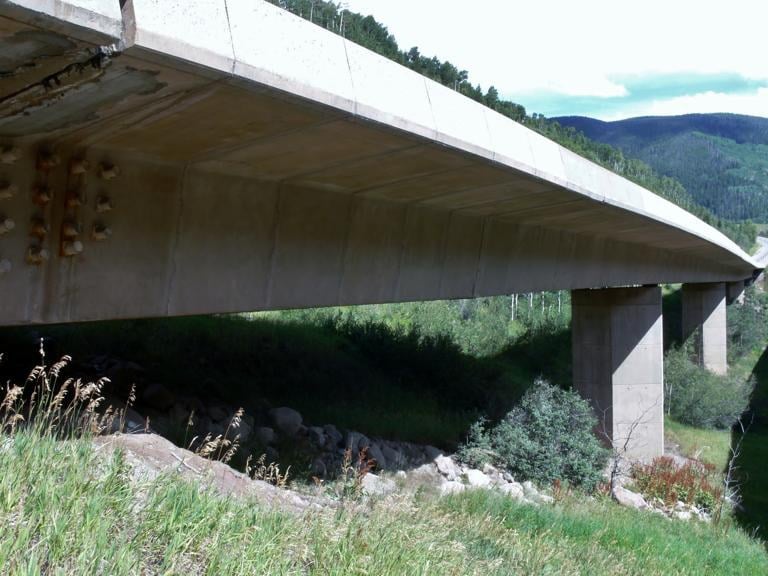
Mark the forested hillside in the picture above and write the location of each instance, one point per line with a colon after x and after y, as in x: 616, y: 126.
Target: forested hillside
x: 721, y: 159
x: 366, y: 31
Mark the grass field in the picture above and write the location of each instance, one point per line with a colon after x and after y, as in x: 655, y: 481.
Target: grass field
x: 711, y: 446
x: 67, y: 509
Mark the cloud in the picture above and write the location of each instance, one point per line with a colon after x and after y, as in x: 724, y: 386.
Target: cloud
x: 585, y: 49
x: 754, y: 104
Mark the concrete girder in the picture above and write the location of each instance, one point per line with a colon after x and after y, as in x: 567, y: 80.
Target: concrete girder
x: 257, y: 173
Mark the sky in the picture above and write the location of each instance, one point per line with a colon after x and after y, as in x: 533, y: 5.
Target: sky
x: 608, y: 59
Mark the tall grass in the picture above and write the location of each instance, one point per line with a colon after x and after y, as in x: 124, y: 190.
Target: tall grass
x: 72, y: 506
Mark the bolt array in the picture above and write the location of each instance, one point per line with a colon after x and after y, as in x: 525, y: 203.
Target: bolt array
x: 8, y: 155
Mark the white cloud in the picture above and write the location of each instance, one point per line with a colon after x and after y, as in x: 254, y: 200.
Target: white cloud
x: 576, y: 48
x: 754, y: 104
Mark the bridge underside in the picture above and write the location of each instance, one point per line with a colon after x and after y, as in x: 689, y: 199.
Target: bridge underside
x: 234, y: 195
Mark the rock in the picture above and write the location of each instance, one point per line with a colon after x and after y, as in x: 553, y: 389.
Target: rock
x: 394, y: 458
x: 373, y: 485
x: 545, y: 499
x: 128, y: 421
x: 318, y: 468
x: 431, y: 452
x: 513, y: 490
x: 356, y: 441
x: 179, y: 414
x: 401, y: 475
x: 477, y: 479
x: 683, y: 515
x: 333, y: 436
x: 375, y: 452
x: 447, y: 467
x: 286, y: 420
x: 244, y: 430
x: 217, y: 412
x: 530, y: 490
x: 264, y: 435
x: 629, y: 499
x: 158, y: 396
x: 426, y: 474
x: 451, y: 487
x: 271, y: 455
x: 316, y: 436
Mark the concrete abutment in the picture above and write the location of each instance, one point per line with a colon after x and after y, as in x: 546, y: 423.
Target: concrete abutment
x: 618, y: 365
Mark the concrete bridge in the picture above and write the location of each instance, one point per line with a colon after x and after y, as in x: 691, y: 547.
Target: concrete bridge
x: 169, y: 158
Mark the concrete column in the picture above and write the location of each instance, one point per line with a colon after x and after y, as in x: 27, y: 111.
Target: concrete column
x: 735, y: 292
x: 618, y: 364
x: 704, y: 317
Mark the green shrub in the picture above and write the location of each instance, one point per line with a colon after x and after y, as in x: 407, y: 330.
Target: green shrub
x: 747, y: 324
x: 696, y: 396
x: 547, y: 437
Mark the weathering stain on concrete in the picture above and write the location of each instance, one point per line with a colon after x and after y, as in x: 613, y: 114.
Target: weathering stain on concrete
x: 23, y: 50
x: 78, y: 91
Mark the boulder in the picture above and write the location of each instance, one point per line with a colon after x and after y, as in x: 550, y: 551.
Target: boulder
x: 451, y: 487
x: 318, y: 468
x: 513, y: 490
x: 244, y: 430
x: 271, y: 455
x: 158, y: 397
x: 447, y: 467
x: 332, y: 435
x: 285, y: 420
x: 394, y: 458
x: 264, y: 435
x: 316, y: 436
x: 356, y: 441
x: 431, y: 452
x: 217, y: 412
x: 375, y: 452
x: 628, y: 498
x: 373, y: 485
x: 477, y: 479
x: 531, y: 492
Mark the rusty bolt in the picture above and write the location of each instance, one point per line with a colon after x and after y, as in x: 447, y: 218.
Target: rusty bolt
x: 101, y: 232
x: 108, y: 171
x: 7, y: 190
x: 70, y: 229
x: 72, y: 248
x: 79, y: 166
x: 47, y: 161
x: 75, y: 198
x: 38, y: 228
x: 9, y: 154
x: 103, y: 204
x: 42, y: 195
x: 37, y: 255
x: 6, y: 225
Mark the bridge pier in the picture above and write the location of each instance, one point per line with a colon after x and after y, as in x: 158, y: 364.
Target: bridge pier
x: 618, y: 364
x: 704, y: 318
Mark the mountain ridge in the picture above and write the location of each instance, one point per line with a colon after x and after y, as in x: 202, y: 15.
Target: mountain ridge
x: 721, y: 159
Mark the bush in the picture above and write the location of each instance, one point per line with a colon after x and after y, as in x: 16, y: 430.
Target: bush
x: 697, y: 397
x: 692, y: 483
x: 547, y: 437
